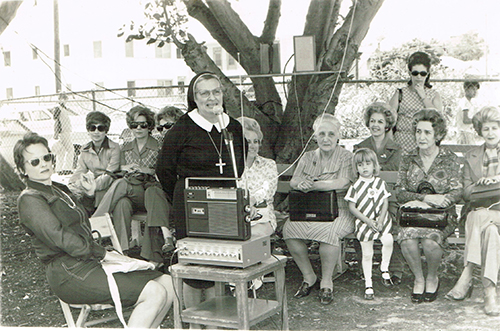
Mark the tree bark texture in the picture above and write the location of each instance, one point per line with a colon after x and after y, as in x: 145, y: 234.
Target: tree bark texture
x: 9, y: 180
x: 286, y: 133
x: 318, y: 97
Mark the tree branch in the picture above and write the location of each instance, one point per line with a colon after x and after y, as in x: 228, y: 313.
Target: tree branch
x: 271, y: 23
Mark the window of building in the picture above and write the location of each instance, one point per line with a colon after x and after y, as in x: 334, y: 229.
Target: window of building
x: 97, y: 49
x: 35, y: 53
x: 231, y: 62
x: 163, y: 52
x: 66, y: 50
x: 163, y: 92
x: 6, y: 59
x: 129, y: 49
x: 131, y: 88
x: 217, y: 56
x: 181, y: 82
x: 37, y: 90
x: 179, y: 53
x: 9, y: 93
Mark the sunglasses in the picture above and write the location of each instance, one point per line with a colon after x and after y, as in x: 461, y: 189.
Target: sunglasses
x: 165, y: 126
x: 93, y: 127
x: 135, y: 125
x: 422, y: 73
x: 47, y: 158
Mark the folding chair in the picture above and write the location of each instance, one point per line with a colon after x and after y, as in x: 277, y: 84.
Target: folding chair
x: 104, y: 226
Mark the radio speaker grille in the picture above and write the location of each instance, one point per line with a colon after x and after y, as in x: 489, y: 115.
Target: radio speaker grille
x: 221, y: 219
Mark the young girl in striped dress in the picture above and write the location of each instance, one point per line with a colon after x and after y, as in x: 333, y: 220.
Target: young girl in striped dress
x: 368, y: 202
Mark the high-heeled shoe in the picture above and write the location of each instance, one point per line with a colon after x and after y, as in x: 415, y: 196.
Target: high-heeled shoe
x: 305, y: 289
x: 431, y: 296
x: 417, y: 297
x: 457, y: 296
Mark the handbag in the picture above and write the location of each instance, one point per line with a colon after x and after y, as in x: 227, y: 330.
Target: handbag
x: 435, y: 218
x: 485, y: 196
x: 314, y: 206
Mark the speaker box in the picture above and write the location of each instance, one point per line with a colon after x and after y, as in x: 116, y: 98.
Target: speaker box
x: 304, y: 48
x: 216, y: 212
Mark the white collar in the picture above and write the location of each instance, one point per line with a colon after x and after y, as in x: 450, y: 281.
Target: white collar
x: 367, y: 180
x: 206, y: 125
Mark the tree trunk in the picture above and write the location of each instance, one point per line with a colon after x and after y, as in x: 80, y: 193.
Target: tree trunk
x: 8, y: 10
x: 296, y: 127
x: 9, y: 180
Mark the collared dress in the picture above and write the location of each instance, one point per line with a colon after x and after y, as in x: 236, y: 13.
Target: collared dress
x: 388, y: 156
x: 411, y: 103
x: 61, y: 236
x: 369, y: 194
x: 107, y: 158
x: 340, y: 166
x: 445, y: 176
x: 261, y: 180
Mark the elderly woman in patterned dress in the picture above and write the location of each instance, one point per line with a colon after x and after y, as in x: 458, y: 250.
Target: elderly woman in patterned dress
x: 482, y: 228
x: 410, y: 99
x: 434, y: 166
x: 139, y: 190
x: 261, y: 179
x: 327, y: 168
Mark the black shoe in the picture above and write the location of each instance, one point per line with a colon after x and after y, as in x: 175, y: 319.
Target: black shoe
x: 395, y: 280
x: 387, y: 279
x: 325, y: 296
x: 417, y: 297
x: 304, y: 290
x: 429, y: 297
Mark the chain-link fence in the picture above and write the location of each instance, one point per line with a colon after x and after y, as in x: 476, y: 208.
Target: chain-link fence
x: 61, y: 118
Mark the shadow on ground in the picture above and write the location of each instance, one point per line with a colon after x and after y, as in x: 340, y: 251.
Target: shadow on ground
x: 28, y: 301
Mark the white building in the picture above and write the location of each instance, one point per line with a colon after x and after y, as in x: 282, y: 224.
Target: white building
x: 90, y: 51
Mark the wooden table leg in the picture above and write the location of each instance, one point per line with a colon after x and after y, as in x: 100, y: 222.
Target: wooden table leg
x: 178, y: 302
x: 281, y: 295
x: 242, y: 305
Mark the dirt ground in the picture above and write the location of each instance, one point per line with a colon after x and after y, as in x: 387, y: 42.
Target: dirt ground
x: 27, y: 300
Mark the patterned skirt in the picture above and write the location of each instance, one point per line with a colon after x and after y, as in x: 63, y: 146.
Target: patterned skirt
x: 327, y: 232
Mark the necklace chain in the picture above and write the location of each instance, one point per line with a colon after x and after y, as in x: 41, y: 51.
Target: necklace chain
x: 219, y: 151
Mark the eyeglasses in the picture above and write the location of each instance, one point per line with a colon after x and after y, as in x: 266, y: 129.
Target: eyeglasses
x: 135, y: 125
x: 100, y: 128
x: 422, y: 73
x: 36, y: 162
x: 205, y: 94
x: 165, y: 126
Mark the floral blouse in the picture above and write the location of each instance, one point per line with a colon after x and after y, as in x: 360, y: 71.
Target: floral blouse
x: 261, y: 179
x: 444, y: 174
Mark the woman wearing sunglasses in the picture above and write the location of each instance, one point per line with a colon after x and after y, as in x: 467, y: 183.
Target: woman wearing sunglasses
x: 410, y: 99
x: 139, y: 190
x: 165, y: 119
x: 60, y: 231
x: 101, y: 156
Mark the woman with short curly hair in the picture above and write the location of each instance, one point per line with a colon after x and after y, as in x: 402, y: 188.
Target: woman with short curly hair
x: 429, y: 177
x: 380, y: 120
x: 482, y: 234
x: 139, y: 190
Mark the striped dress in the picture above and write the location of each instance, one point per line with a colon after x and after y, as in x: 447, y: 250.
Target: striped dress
x: 369, y: 195
x: 328, y: 232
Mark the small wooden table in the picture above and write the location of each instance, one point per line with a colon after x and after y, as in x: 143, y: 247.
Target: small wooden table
x: 238, y: 312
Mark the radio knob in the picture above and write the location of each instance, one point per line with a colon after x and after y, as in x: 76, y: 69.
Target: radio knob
x: 247, y: 208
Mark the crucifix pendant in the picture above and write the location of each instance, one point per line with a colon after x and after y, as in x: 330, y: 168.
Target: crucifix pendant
x: 220, y: 165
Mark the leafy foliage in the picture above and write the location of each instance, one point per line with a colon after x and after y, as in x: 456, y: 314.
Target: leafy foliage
x: 165, y: 22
